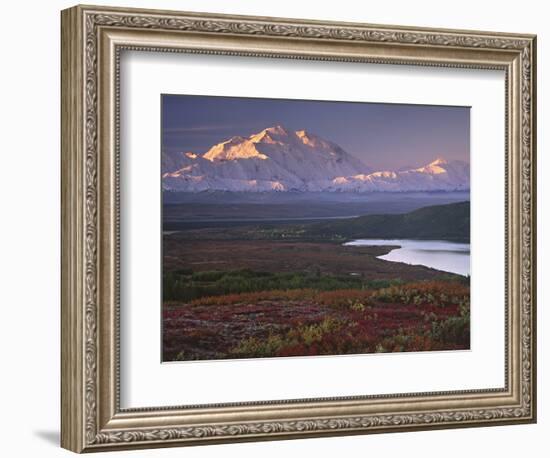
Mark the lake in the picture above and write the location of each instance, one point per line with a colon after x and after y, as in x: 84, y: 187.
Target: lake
x: 437, y: 254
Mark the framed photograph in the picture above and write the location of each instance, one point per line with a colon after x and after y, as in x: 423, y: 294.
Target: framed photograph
x: 279, y: 228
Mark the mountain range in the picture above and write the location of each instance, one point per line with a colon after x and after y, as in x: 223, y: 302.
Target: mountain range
x: 279, y: 159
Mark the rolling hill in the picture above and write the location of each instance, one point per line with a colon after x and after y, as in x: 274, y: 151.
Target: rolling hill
x: 439, y: 222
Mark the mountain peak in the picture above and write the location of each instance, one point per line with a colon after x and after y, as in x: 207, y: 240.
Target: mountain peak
x: 278, y: 129
x: 235, y: 148
x: 439, y: 166
x: 439, y: 161
x: 304, y: 135
x: 316, y: 142
x: 274, y: 134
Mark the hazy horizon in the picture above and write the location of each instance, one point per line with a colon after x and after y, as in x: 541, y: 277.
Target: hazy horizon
x: 383, y: 136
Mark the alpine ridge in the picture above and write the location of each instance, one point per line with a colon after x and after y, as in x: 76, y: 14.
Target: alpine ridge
x: 279, y: 159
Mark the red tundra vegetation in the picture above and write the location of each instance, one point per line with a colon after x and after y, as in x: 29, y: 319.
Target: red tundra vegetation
x: 416, y: 316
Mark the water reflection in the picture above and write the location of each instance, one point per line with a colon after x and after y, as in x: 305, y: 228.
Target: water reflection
x: 438, y: 254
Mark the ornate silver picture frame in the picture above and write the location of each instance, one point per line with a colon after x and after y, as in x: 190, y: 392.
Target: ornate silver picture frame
x: 93, y: 39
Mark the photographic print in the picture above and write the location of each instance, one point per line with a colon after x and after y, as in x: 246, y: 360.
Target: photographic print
x: 292, y: 209
x: 308, y: 228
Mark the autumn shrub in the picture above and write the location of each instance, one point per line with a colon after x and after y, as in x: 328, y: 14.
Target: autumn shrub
x: 455, y: 329
x: 304, y: 337
x: 345, y: 298
x: 255, y: 347
x: 255, y: 297
x: 439, y: 293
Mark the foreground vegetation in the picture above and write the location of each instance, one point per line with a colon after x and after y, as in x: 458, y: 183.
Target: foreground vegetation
x: 417, y: 316
x: 186, y: 285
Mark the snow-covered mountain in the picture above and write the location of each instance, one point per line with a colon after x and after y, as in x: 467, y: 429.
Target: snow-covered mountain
x: 278, y: 159
x: 439, y: 175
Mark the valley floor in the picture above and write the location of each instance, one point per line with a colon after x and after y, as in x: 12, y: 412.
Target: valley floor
x: 227, y: 295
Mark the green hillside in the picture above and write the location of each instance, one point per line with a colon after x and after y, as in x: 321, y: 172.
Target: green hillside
x: 439, y: 222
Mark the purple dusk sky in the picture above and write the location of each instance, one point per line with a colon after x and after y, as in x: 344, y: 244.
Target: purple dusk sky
x: 383, y: 136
